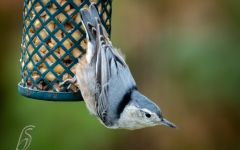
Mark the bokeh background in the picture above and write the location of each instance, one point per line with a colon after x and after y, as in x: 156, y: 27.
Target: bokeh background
x: 184, y: 55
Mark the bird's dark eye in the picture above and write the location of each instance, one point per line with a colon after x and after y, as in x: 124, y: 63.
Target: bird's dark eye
x: 147, y: 115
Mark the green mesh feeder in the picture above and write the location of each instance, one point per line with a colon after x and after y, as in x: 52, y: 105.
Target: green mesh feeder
x: 53, y: 39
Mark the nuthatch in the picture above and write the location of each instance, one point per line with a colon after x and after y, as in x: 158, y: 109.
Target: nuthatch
x: 107, y: 85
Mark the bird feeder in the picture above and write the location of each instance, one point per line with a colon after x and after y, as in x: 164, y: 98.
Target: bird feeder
x: 53, y: 39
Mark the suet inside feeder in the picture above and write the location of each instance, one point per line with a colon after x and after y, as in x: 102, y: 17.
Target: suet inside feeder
x: 53, y: 39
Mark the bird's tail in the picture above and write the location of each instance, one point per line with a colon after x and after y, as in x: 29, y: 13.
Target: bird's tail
x: 89, y: 21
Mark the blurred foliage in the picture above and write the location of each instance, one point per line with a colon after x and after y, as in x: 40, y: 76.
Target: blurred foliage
x: 184, y: 55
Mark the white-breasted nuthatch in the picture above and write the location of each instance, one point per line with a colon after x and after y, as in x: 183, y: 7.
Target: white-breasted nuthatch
x: 107, y: 85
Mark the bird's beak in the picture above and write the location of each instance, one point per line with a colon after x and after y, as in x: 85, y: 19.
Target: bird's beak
x: 168, y: 123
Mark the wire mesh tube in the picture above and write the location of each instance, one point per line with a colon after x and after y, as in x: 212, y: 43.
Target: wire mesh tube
x: 53, y: 39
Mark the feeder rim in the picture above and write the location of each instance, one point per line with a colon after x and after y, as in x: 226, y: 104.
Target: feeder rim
x: 49, y: 95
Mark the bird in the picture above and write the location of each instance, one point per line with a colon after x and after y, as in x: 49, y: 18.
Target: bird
x: 106, y: 83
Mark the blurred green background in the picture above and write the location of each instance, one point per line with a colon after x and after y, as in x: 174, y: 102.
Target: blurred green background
x: 184, y: 55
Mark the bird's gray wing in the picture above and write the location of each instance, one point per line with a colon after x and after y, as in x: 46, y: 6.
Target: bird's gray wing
x: 110, y: 67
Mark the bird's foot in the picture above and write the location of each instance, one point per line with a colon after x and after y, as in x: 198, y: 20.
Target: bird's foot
x: 69, y: 81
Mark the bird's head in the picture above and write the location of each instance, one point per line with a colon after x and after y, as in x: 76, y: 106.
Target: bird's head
x: 145, y: 113
x: 148, y: 118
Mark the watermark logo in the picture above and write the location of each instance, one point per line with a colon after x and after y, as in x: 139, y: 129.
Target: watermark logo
x: 24, y: 142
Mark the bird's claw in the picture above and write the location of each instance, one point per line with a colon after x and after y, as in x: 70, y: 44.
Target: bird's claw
x: 69, y: 81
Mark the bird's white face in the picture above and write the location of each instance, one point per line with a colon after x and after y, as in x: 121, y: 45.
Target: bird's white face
x: 148, y: 118
x: 136, y: 118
